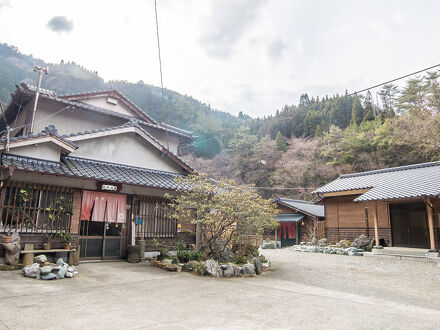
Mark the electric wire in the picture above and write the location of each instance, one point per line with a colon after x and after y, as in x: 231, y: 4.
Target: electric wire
x: 393, y: 80
x: 161, y: 76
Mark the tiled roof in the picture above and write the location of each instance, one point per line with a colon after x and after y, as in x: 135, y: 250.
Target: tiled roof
x: 412, y: 181
x: 303, y: 206
x: 97, y: 170
x: 51, y: 95
x: 48, y: 131
x: 113, y: 92
x: 134, y: 123
x: 295, y: 217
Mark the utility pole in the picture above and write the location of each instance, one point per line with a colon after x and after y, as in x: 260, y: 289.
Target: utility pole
x: 37, y: 93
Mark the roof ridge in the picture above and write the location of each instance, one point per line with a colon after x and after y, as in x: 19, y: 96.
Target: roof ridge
x: 296, y: 200
x: 390, y: 169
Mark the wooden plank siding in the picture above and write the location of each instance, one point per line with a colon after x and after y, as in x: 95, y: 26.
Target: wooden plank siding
x: 345, y: 219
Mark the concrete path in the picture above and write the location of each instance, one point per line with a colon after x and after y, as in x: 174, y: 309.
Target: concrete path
x: 306, y: 291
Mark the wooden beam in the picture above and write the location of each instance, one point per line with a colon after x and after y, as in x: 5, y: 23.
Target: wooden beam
x: 376, y: 226
x: 346, y: 192
x: 430, y: 223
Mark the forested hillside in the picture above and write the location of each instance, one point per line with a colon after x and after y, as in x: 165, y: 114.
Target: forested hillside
x: 299, y: 148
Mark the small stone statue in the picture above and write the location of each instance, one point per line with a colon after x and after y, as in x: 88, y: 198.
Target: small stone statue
x: 12, y: 250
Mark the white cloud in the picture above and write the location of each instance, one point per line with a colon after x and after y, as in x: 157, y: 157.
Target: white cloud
x: 245, y: 55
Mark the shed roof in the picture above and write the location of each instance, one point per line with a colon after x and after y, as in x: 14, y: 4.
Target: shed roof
x: 303, y: 206
x: 294, y: 217
x: 412, y: 181
x: 97, y: 170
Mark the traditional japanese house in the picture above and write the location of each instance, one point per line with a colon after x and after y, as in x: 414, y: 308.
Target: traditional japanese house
x: 98, y: 155
x: 396, y: 206
x: 299, y: 221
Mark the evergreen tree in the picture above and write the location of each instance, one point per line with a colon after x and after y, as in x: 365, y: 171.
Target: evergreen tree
x: 281, y: 143
x: 357, y: 113
x: 318, y: 131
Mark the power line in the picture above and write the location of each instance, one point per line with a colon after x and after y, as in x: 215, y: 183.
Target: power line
x: 393, y: 80
x: 161, y: 78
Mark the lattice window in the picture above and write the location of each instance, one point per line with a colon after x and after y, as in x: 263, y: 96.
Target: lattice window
x: 151, y: 219
x: 42, y: 199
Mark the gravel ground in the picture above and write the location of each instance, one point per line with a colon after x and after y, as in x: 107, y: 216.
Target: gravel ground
x: 305, y: 291
x: 404, y: 281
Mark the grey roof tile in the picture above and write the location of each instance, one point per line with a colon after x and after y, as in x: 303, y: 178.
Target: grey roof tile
x: 48, y: 131
x: 295, y: 217
x: 98, y: 170
x: 412, y: 181
x: 307, y: 207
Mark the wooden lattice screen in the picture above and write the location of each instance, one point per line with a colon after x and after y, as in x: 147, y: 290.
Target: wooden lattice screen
x: 151, y: 219
x: 41, y: 198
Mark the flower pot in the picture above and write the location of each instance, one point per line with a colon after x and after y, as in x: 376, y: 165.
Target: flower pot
x: 46, y: 246
x: 67, y: 246
x: 6, y: 239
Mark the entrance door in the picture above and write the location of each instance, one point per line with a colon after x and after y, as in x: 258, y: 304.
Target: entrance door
x: 103, y: 229
x: 101, y: 240
x: 409, y: 227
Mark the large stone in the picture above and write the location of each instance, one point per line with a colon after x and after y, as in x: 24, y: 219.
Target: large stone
x: 363, y: 242
x: 62, y: 271
x: 231, y: 270
x: 213, y: 268
x: 45, y: 270
x: 314, y: 241
x: 257, y: 264
x: 41, y: 259
x: 49, y: 276
x: 221, y: 252
x: 32, y: 270
x: 249, y: 269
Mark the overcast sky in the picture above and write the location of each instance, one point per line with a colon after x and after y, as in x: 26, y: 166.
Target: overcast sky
x: 249, y: 55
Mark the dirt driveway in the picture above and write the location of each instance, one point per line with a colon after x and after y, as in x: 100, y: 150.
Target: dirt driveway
x: 307, y: 291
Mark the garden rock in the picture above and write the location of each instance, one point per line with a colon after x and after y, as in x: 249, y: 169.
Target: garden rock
x: 213, y: 268
x: 45, y: 270
x: 249, y: 269
x: 314, y: 241
x: 344, y: 243
x: 323, y: 242
x: 265, y: 265
x: 41, y: 259
x: 231, y: 270
x: 189, y: 266
x: 363, y: 242
x: 32, y: 271
x: 222, y: 253
x: 49, y: 276
x: 62, y: 272
x: 257, y: 264
x: 268, y: 245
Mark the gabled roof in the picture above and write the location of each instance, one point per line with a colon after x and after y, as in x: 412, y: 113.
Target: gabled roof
x: 308, y: 208
x: 82, y: 168
x: 412, y: 181
x: 131, y: 126
x: 25, y: 92
x: 294, y: 217
x: 114, y: 94
x: 49, y: 134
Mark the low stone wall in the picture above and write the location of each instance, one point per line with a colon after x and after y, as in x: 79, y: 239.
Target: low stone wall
x: 336, y: 234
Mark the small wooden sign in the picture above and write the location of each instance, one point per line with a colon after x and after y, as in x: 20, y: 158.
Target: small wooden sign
x: 109, y: 186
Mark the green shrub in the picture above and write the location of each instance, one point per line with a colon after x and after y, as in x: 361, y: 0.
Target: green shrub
x: 188, y: 255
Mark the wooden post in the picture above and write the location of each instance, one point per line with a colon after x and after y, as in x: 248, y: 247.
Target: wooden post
x: 376, y: 229
x: 430, y: 223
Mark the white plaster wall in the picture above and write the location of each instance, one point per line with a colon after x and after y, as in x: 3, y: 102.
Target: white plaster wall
x: 173, y: 140
x: 102, y: 103
x: 47, y: 150
x: 71, y: 120
x: 128, y: 149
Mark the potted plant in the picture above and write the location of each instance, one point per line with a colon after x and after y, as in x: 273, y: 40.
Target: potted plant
x: 67, y: 239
